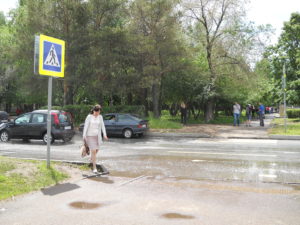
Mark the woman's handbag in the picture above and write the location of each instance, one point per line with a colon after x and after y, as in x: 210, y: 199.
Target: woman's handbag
x: 85, y: 151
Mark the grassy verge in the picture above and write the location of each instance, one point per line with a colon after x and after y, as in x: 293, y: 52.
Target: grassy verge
x: 166, y: 121
x: 22, y: 176
x: 293, y: 127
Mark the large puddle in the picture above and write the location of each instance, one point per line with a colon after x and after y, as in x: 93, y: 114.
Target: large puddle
x: 176, y: 216
x: 85, y: 205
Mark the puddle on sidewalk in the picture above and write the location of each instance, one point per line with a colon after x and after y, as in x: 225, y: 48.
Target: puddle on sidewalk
x: 102, y: 179
x: 176, y: 216
x: 85, y: 205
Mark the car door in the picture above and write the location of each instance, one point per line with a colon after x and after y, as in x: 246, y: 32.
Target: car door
x: 37, y: 125
x: 110, y: 123
x: 21, y: 126
x: 123, y: 121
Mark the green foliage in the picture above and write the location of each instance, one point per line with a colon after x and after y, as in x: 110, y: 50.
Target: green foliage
x: 164, y: 122
x: 287, y: 52
x: 138, y: 52
x: 293, y: 113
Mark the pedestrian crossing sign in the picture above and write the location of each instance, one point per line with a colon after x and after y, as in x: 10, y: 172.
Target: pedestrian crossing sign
x: 51, y: 56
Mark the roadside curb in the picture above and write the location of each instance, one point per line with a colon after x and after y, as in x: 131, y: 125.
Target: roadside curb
x: 285, y: 137
x: 201, y: 135
x: 178, y: 135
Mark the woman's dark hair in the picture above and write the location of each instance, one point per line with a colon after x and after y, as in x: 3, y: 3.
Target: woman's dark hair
x: 96, y: 108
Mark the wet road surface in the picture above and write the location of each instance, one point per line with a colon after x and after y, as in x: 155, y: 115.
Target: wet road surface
x: 244, y: 160
x: 166, y: 182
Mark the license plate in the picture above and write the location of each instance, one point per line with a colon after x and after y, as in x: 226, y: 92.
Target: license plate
x: 68, y: 128
x: 144, y: 125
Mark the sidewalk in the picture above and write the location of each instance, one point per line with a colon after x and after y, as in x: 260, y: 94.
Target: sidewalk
x: 224, y: 131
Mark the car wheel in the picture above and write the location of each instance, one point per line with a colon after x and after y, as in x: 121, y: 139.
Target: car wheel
x: 45, y: 138
x: 4, y: 136
x: 127, y: 133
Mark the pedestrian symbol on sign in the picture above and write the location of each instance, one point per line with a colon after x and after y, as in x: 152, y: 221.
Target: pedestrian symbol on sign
x: 52, y: 59
x: 51, y: 56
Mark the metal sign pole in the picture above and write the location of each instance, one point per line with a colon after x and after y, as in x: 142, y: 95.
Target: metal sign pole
x: 49, y: 60
x: 49, y: 121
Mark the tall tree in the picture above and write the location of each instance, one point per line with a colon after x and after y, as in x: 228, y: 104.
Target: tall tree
x: 215, y: 18
x: 156, y: 23
x: 287, y: 52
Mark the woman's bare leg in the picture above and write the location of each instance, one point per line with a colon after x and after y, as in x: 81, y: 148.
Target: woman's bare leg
x: 94, y: 158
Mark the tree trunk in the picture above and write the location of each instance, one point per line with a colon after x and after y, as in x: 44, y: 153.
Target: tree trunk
x: 145, y: 101
x: 155, y: 100
x: 68, y: 94
x: 209, y: 110
x: 129, y: 98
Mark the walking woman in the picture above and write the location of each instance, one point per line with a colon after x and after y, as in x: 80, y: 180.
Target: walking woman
x: 92, y: 133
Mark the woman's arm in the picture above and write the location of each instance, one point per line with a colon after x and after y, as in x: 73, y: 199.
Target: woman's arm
x: 103, y: 128
x: 86, y: 124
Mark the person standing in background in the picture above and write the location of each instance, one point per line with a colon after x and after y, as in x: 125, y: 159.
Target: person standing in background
x: 249, y: 114
x: 183, y: 111
x: 236, y: 114
x: 261, y: 111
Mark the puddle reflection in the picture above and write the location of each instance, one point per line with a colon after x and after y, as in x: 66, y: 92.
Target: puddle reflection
x: 85, y: 205
x: 176, y: 216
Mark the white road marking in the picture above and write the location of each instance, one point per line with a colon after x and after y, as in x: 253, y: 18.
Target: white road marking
x: 268, y: 175
x: 220, y: 153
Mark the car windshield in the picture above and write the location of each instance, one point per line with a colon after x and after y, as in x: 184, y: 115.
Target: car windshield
x: 109, y: 117
x: 23, y: 119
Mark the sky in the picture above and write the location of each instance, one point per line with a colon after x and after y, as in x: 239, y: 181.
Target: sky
x: 274, y: 12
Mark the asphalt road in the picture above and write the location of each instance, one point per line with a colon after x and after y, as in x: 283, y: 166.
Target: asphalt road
x: 245, y: 160
x: 167, y: 181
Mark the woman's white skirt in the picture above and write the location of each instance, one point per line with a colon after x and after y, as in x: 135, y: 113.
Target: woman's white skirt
x: 92, y: 142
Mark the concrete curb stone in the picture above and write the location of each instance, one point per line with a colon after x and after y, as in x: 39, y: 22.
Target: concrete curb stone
x: 202, y: 135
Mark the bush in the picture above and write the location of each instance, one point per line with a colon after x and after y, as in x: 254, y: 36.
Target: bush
x: 293, y: 113
x: 79, y: 112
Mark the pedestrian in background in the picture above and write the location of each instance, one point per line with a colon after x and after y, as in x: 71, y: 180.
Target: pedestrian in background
x: 183, y: 111
x: 261, y: 111
x: 236, y: 114
x: 249, y: 110
x: 92, y: 133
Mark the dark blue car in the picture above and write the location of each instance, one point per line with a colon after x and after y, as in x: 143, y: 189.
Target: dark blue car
x: 127, y: 125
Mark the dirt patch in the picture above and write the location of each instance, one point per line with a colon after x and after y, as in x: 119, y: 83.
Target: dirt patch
x: 26, y: 169
x: 220, y: 131
x: 73, y: 172
x: 209, y: 129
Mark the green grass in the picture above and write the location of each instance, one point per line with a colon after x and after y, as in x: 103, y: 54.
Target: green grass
x: 23, y: 176
x: 293, y: 127
x: 166, y: 121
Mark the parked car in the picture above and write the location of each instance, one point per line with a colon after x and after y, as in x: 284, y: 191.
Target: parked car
x: 127, y: 125
x: 4, y: 117
x: 33, y: 125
